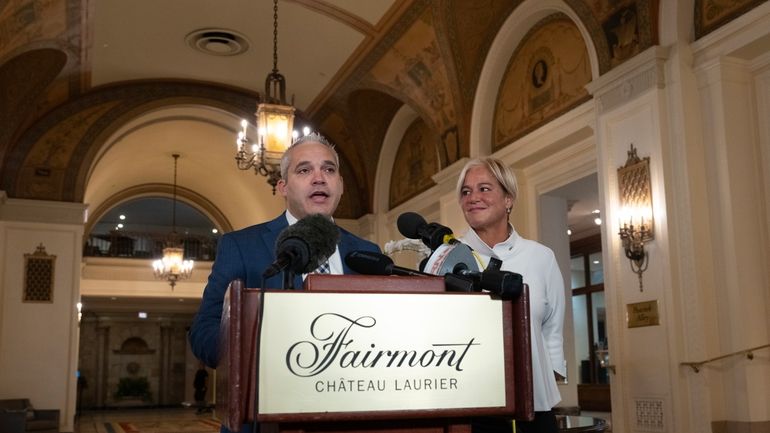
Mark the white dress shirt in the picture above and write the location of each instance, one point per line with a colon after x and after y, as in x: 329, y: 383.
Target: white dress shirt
x: 537, y: 265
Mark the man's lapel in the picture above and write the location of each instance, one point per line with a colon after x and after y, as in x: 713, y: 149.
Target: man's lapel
x: 346, y: 246
x: 269, y: 237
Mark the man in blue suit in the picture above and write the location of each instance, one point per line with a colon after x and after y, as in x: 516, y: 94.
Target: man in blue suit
x: 311, y: 184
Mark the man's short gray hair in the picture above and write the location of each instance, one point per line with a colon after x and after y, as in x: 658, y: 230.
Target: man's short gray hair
x: 313, y: 137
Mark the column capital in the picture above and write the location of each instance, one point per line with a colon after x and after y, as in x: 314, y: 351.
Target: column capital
x: 630, y: 79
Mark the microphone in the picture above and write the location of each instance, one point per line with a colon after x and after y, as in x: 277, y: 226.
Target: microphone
x: 413, y: 226
x: 457, y: 259
x: 371, y: 263
x: 301, y: 247
x: 508, y: 285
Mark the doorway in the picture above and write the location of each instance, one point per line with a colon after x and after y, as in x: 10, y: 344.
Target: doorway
x: 589, y: 355
x: 590, y: 324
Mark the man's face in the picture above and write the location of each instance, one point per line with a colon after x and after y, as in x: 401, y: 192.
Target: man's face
x: 313, y: 183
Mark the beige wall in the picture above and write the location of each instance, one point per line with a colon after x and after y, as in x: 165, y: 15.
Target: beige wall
x: 38, y: 341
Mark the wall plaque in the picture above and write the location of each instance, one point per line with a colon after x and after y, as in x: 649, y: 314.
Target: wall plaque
x: 642, y: 314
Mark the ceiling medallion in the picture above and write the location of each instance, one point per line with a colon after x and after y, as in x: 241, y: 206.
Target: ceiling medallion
x: 217, y: 42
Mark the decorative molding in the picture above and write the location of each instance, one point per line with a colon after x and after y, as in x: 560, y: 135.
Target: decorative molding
x: 569, y: 128
x: 728, y: 39
x: 631, y: 79
x: 446, y: 179
x: 710, y: 15
x: 41, y: 211
x: 340, y: 15
x: 127, y: 269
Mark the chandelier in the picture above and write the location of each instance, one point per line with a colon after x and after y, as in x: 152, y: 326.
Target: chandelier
x: 173, y: 267
x: 274, y: 125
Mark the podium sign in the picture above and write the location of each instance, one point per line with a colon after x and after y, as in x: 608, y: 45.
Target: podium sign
x: 363, y: 352
x: 372, y: 354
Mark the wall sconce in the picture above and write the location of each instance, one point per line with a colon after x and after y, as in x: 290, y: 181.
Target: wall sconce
x: 636, y: 222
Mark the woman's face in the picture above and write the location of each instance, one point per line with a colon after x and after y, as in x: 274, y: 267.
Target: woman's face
x: 483, y: 200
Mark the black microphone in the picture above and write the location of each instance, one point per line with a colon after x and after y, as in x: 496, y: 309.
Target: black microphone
x: 372, y: 263
x: 507, y: 285
x: 458, y: 259
x: 303, y: 246
x: 413, y: 226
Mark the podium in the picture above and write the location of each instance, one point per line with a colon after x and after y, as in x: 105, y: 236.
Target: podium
x: 240, y: 353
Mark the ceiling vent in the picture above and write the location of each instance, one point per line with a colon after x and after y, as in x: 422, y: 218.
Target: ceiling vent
x: 217, y: 42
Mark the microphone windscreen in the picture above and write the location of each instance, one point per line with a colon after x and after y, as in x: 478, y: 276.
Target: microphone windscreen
x: 449, y: 258
x: 369, y: 263
x: 319, y: 233
x: 409, y: 224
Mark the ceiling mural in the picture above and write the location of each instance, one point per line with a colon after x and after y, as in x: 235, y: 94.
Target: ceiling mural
x: 351, y: 166
x: 711, y: 14
x: 33, y: 25
x: 22, y: 22
x: 43, y: 171
x: 414, y: 66
x: 545, y: 77
x: 416, y: 160
x: 622, y: 32
x: 468, y: 25
x: 32, y: 72
x: 51, y: 159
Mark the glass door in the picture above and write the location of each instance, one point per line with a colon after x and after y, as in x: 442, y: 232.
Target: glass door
x: 589, y: 319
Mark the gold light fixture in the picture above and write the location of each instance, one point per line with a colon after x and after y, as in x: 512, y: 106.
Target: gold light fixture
x: 274, y: 125
x: 173, y: 267
x: 636, y: 222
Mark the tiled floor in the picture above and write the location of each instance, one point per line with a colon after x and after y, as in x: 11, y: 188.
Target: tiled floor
x: 91, y: 421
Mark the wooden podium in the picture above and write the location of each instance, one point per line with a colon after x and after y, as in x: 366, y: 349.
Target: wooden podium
x: 237, y: 370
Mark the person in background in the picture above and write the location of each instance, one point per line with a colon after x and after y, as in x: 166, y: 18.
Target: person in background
x: 200, y: 383
x: 310, y: 184
x: 487, y: 193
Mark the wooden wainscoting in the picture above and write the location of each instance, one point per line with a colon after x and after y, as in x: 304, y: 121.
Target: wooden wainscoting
x: 594, y: 397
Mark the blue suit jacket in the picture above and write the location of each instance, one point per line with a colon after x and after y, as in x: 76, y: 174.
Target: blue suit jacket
x: 245, y: 254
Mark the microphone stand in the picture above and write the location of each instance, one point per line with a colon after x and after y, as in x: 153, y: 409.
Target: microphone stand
x: 288, y: 280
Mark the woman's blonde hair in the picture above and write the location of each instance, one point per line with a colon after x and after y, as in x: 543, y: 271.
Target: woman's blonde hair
x: 500, y: 171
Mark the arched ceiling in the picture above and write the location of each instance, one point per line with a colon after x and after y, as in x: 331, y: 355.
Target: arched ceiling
x: 101, y: 90
x: 140, y: 153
